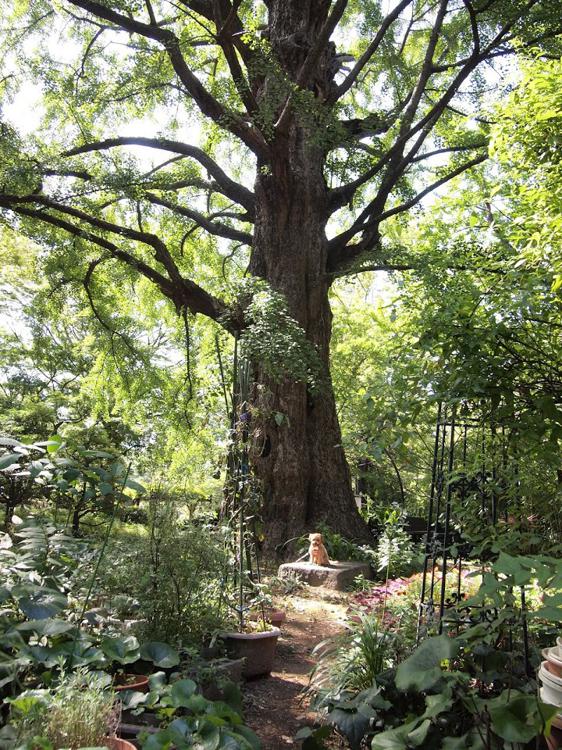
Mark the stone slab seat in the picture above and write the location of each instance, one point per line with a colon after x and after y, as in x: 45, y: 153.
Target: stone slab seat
x: 339, y: 576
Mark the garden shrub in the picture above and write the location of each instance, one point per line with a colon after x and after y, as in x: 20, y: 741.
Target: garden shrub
x: 173, y: 577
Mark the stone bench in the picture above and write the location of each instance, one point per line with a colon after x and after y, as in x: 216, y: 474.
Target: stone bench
x: 339, y: 576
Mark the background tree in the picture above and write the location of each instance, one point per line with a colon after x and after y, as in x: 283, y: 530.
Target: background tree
x: 333, y: 154
x: 489, y: 338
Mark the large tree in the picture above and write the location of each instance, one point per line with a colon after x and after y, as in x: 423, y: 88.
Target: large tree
x: 312, y: 125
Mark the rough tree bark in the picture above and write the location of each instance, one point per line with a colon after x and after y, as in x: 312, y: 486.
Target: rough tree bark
x: 303, y: 469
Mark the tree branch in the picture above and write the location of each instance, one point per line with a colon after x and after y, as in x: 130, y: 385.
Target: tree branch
x: 205, y: 222
x: 232, y: 189
x: 434, y: 185
x: 342, y: 254
x: 206, y: 102
x: 321, y: 40
x: 183, y: 292
x: 352, y: 76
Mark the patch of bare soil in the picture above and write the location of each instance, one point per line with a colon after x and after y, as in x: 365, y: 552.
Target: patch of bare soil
x: 276, y: 706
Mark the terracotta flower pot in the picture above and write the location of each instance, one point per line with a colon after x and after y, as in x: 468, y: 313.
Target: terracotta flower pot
x: 137, y: 682
x: 116, y: 743
x: 258, y: 649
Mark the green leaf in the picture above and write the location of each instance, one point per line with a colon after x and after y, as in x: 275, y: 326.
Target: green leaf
x: 133, y: 485
x: 417, y: 736
x: 198, y: 704
x: 208, y: 736
x: 42, y: 606
x: 9, y: 460
x: 160, y: 654
x: 181, y: 693
x: 131, y: 699
x: 469, y: 741
x: 351, y: 723
x: 46, y: 627
x: 232, y: 696
x: 54, y: 443
x: 122, y: 650
x: 395, y: 739
x: 518, y: 717
x: 156, y: 681
x: 253, y: 740
x: 436, y: 704
x: 422, y: 669
x: 160, y: 741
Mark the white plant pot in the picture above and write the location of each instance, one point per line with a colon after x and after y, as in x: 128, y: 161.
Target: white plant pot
x: 552, y: 655
x: 551, y: 691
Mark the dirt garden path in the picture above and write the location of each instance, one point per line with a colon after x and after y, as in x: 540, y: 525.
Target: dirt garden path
x: 275, y: 707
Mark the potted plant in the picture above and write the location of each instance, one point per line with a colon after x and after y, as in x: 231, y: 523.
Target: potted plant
x: 125, y: 652
x: 255, y: 637
x: 255, y: 640
x: 80, y: 712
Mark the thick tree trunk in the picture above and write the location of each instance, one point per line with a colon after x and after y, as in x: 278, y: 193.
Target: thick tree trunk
x: 301, y: 460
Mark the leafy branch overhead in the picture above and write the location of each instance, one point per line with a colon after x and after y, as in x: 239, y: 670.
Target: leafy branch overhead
x: 389, y: 107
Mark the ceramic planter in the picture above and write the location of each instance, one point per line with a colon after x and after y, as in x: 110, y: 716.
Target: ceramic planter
x: 137, y: 682
x: 258, y: 650
x: 551, y: 690
x: 554, y: 659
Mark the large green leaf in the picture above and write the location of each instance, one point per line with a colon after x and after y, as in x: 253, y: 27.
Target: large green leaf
x: 47, y: 626
x: 42, y: 605
x: 422, y: 669
x: 54, y: 443
x: 470, y: 741
x: 9, y: 460
x: 181, y: 693
x: 399, y: 738
x: 131, y: 699
x: 208, y: 737
x: 518, y: 717
x: 254, y: 742
x: 122, y: 650
x: 160, y: 654
x: 160, y: 741
x: 352, y: 724
x: 132, y: 484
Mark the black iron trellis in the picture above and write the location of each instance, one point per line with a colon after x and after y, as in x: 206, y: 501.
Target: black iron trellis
x: 490, y: 489
x: 240, y: 507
